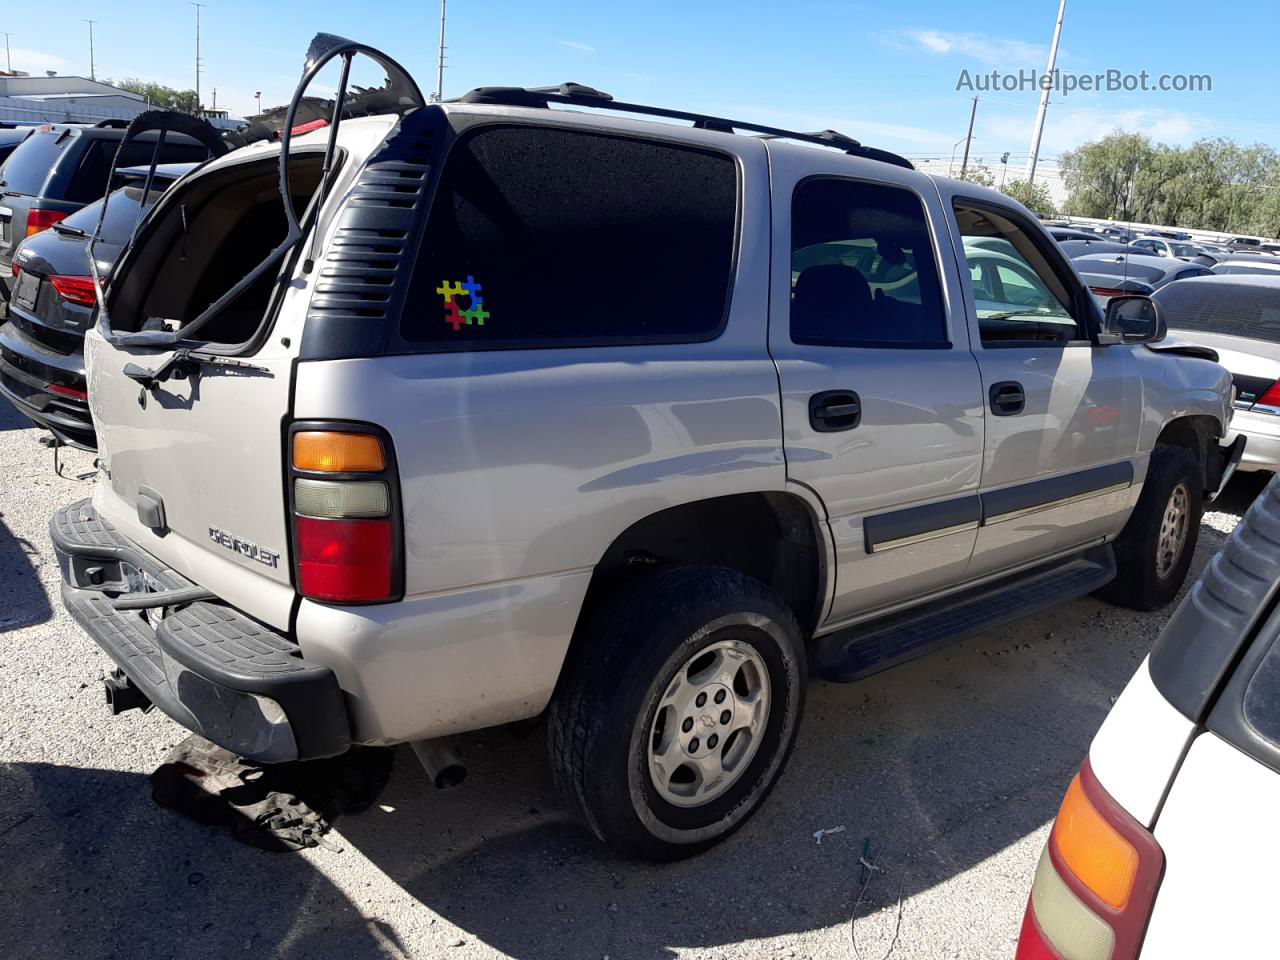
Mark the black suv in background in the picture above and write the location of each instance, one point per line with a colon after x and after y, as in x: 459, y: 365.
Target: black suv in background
x: 52, y: 300
x: 61, y: 167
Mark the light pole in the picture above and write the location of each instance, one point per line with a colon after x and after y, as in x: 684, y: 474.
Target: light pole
x: 439, y: 95
x: 258, y: 96
x: 1044, y: 94
x: 964, y: 164
x: 8, y: 63
x: 1004, y: 163
x: 92, y: 75
x: 952, y: 162
x: 197, y: 6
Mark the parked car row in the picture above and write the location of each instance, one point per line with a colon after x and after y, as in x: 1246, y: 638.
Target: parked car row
x: 54, y: 184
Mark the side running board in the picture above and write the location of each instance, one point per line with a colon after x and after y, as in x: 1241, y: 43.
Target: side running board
x: 860, y: 651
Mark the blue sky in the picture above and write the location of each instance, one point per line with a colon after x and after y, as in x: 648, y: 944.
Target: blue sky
x: 883, y: 72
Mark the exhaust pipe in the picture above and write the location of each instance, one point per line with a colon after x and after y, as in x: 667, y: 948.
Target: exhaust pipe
x: 122, y: 694
x: 443, y: 766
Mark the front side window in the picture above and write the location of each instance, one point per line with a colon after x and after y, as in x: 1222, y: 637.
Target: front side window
x: 549, y: 237
x: 1021, y: 298
x: 863, y: 271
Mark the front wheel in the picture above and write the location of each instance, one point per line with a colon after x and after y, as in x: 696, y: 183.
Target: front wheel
x: 676, y: 718
x: 1153, y: 552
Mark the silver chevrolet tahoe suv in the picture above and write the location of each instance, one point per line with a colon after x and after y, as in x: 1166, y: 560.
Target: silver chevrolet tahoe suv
x: 522, y: 405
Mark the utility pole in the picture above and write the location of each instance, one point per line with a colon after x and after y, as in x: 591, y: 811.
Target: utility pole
x: 215, y: 99
x: 92, y: 75
x: 1044, y: 94
x: 439, y: 94
x: 964, y: 164
x: 197, y: 6
x: 8, y: 62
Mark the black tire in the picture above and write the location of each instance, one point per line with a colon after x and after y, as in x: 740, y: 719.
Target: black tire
x: 1139, y: 584
x: 627, y: 657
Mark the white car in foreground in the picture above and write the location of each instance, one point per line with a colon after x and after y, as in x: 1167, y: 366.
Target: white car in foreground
x: 1165, y: 843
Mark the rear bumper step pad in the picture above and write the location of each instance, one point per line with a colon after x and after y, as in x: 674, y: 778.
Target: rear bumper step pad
x: 211, y: 668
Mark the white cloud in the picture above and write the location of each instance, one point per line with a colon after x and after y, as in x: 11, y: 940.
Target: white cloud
x: 36, y: 62
x: 994, y: 51
x: 575, y: 45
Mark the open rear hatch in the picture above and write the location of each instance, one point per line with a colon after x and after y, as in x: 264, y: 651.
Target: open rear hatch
x: 190, y: 365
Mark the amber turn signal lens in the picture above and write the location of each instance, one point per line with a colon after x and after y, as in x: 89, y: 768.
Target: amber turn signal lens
x: 1093, y: 850
x: 332, y: 452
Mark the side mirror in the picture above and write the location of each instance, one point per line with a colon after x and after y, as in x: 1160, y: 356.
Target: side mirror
x: 1132, y: 319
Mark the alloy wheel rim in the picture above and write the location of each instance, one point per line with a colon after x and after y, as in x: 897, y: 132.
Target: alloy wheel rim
x: 1173, y: 531
x: 709, y: 723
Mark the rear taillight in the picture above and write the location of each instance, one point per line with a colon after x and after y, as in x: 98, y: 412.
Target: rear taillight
x: 15, y: 268
x: 39, y: 220
x: 344, y: 498
x: 1109, y: 292
x: 1096, y: 881
x: 1269, y: 399
x: 76, y: 290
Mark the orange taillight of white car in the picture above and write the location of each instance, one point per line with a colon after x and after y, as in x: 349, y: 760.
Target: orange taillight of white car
x: 1096, y: 882
x: 336, y: 451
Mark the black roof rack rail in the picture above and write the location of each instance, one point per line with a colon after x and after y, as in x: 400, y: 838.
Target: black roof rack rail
x: 577, y: 94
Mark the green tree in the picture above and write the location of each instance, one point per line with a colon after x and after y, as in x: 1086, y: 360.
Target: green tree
x: 978, y: 173
x: 157, y: 94
x: 1214, y: 184
x: 1033, y: 196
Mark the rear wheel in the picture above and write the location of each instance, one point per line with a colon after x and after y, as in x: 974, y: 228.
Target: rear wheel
x: 674, y: 723
x: 1153, y: 553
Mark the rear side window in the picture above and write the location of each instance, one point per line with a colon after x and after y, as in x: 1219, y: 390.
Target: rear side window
x: 862, y: 267
x: 28, y: 167
x: 1237, y: 311
x: 542, y: 237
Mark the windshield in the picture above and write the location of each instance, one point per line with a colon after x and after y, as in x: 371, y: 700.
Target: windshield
x: 28, y: 167
x: 1183, y: 250
x: 1232, y: 310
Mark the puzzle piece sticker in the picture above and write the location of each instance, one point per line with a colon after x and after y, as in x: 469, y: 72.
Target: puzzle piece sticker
x: 456, y: 317
x: 450, y: 289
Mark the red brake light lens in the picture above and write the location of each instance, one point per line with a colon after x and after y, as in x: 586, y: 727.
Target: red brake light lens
x: 1272, y: 397
x: 1031, y: 942
x: 39, y: 220
x: 1110, y: 292
x: 345, y: 561
x: 76, y: 290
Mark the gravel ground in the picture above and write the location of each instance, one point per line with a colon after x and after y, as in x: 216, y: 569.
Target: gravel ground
x: 955, y: 764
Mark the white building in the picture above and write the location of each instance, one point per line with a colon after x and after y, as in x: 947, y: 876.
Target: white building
x: 59, y: 99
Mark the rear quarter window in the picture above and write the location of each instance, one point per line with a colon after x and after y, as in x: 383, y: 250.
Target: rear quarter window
x: 28, y: 167
x: 546, y: 237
